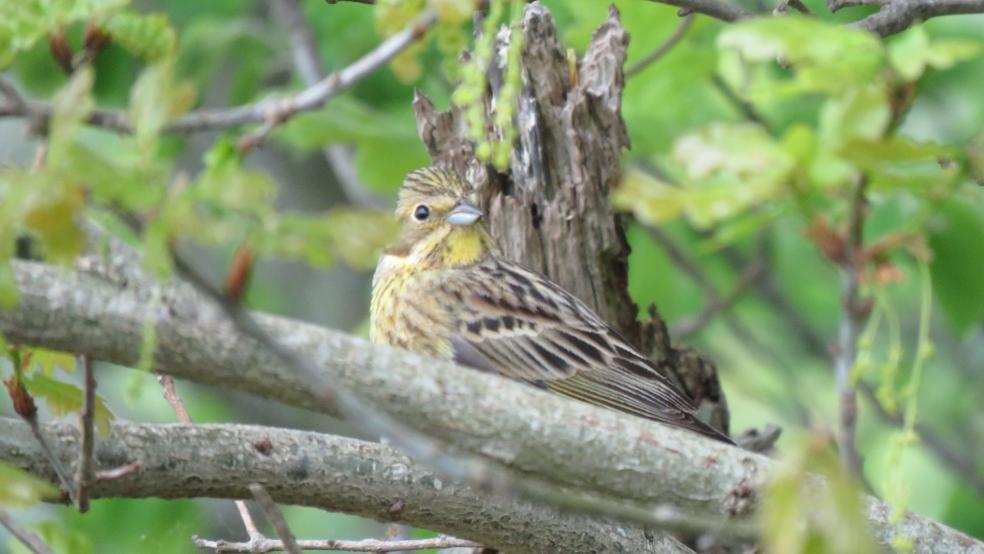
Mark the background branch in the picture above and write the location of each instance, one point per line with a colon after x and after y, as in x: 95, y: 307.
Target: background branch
x: 310, y: 68
x: 270, y: 111
x: 29, y: 539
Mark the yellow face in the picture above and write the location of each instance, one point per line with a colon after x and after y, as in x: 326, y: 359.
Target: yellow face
x: 441, y: 224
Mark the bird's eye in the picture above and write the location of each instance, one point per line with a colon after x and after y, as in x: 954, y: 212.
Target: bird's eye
x: 421, y: 212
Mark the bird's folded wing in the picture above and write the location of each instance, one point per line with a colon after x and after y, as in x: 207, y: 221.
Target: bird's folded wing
x: 515, y: 323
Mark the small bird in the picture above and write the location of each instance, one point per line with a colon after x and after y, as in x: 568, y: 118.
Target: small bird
x: 444, y: 290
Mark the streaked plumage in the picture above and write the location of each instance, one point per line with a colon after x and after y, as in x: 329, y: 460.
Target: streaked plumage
x: 443, y: 290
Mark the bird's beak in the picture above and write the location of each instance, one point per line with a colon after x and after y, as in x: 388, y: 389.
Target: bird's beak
x: 464, y: 213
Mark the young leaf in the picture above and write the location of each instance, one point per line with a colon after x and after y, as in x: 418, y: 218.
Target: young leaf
x: 19, y: 489
x: 63, y: 398
x: 148, y: 36
x: 825, y: 57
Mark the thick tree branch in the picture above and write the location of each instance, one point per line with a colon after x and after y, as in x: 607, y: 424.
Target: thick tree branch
x: 572, y: 443
x: 325, y: 471
x: 270, y: 111
x: 896, y: 16
x: 714, y: 8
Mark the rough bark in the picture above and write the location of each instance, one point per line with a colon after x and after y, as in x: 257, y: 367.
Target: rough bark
x: 569, y: 442
x: 324, y: 471
x: 551, y: 210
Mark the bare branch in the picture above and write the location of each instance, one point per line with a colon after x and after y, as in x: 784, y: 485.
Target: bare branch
x: 573, y: 443
x: 367, y: 545
x: 835, y: 5
x: 717, y: 305
x: 307, y: 62
x: 898, y: 15
x: 288, y: 542
x: 85, y: 472
x: 14, y: 98
x: 172, y: 398
x: 713, y: 8
x: 30, y: 540
x: 324, y: 471
x: 270, y: 112
x: 664, y: 48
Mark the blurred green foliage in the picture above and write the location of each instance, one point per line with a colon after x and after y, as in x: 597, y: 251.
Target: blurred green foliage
x: 748, y: 140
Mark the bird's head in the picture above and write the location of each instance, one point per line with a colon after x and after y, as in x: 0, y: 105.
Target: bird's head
x: 440, y: 220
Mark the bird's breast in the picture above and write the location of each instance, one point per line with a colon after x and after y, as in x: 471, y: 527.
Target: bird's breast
x: 405, y: 312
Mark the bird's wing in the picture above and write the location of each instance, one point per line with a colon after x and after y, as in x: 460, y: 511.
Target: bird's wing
x: 516, y: 323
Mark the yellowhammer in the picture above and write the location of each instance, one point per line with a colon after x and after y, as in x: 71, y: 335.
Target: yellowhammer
x: 443, y: 290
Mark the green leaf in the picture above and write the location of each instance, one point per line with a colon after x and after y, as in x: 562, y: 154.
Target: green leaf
x: 824, y: 57
x: 860, y: 113
x: 401, y: 158
x: 64, y: 398
x: 155, y: 99
x: 907, y: 52
x: 23, y: 22
x: 651, y: 200
x: 19, y: 489
x: 50, y: 360
x: 910, y: 53
x: 147, y: 36
x: 72, y: 105
x: 730, y: 168
x: 957, y: 268
x: 8, y: 287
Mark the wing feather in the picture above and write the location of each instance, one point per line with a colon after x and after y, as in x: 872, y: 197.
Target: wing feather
x: 518, y: 324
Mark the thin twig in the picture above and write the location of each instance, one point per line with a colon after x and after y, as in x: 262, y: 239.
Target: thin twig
x: 86, y: 473
x: 30, y: 540
x: 252, y: 531
x: 172, y: 398
x: 366, y: 545
x: 798, y: 5
x: 9, y: 91
x: 961, y: 464
x: 663, y: 48
x: 56, y: 464
x: 748, y: 277
x: 171, y: 395
x: 307, y: 62
x: 276, y: 518
x: 271, y: 111
x: 713, y: 8
x: 852, y: 320
x: 744, y: 107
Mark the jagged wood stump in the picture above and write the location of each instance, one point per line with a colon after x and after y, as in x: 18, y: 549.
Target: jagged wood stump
x: 551, y: 210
